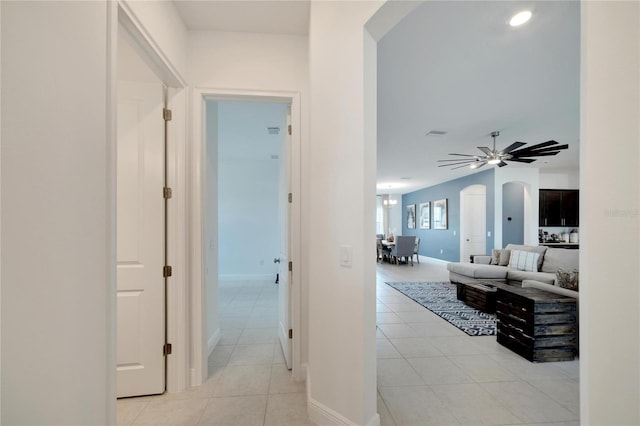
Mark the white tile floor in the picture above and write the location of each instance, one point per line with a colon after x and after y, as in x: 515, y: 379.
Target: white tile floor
x: 429, y: 372
x: 249, y: 383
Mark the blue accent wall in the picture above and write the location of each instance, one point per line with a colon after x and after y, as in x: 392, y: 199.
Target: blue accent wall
x: 512, y: 213
x: 434, y: 240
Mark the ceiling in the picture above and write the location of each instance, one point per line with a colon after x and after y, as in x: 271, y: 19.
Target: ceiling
x: 453, y: 66
x: 459, y: 67
x: 252, y: 16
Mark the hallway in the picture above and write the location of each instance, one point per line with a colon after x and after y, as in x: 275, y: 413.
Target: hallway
x: 248, y: 384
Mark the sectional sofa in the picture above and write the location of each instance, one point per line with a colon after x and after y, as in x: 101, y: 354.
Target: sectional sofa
x: 532, y: 266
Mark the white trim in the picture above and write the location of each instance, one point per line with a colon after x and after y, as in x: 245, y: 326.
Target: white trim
x: 148, y: 48
x: 323, y: 415
x: 112, y: 164
x: 213, y: 341
x: 196, y: 217
x: 177, y: 292
x: 195, y: 191
x: 433, y: 259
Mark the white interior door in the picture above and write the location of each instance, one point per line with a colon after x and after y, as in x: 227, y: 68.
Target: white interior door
x: 284, y: 286
x: 473, y: 206
x: 140, y: 240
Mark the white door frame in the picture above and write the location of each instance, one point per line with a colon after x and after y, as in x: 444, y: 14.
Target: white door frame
x: 177, y: 307
x: 196, y: 186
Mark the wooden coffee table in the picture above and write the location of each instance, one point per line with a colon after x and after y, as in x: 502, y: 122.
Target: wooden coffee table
x: 479, y: 294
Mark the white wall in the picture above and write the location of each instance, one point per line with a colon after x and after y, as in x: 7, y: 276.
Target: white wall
x: 58, y: 218
x: 263, y: 62
x: 559, y: 178
x: 342, y: 367
x: 609, y: 214
x: 248, y: 220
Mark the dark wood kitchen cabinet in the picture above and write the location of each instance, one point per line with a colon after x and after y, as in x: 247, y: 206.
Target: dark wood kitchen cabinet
x: 559, y: 207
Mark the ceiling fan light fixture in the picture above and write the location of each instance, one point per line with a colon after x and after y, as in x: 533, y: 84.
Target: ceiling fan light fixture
x: 494, y: 161
x: 520, y: 18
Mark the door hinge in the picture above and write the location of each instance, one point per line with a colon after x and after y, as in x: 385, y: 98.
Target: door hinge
x: 290, y: 333
x: 167, y: 271
x: 166, y: 349
x: 290, y: 197
x: 167, y: 193
x: 290, y: 266
x: 166, y: 114
x: 289, y: 128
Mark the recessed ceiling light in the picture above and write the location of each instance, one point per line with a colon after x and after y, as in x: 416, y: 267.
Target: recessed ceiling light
x: 520, y: 18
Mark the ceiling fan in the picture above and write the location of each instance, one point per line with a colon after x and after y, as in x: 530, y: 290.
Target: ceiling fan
x: 510, y: 153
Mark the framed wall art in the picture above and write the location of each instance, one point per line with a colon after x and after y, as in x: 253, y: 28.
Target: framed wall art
x: 440, y: 214
x: 411, y: 216
x: 424, y: 211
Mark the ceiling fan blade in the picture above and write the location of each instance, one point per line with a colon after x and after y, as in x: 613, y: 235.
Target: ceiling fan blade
x: 458, y: 159
x: 537, y: 154
x: 542, y: 145
x: 464, y: 155
x: 530, y: 151
x: 467, y: 162
x: 501, y: 164
x: 486, y: 150
x: 511, y: 147
x: 552, y: 148
x: 522, y: 160
x: 459, y: 167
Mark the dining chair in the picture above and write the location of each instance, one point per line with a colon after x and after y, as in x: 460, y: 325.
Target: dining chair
x: 381, y: 250
x: 416, y: 250
x: 403, y: 248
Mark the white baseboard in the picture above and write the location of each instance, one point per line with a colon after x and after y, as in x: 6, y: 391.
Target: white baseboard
x: 323, y: 415
x: 212, y: 342
x: 437, y: 260
x: 247, y: 277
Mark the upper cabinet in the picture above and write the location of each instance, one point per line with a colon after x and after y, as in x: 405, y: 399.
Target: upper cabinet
x: 559, y: 207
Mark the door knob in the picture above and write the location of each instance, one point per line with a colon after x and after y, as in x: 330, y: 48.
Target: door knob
x: 276, y: 260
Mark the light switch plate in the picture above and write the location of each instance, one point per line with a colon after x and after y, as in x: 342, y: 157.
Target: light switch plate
x: 346, y: 253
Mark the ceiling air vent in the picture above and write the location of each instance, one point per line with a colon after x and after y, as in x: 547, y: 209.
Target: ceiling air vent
x: 436, y: 133
x: 273, y: 130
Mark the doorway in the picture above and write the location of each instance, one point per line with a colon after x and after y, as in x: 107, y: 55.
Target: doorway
x: 513, y: 213
x: 247, y: 145
x: 473, y: 222
x: 236, y: 219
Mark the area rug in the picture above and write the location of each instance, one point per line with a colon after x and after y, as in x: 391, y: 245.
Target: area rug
x: 440, y: 298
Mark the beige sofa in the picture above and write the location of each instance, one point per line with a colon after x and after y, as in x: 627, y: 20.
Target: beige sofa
x: 549, y: 262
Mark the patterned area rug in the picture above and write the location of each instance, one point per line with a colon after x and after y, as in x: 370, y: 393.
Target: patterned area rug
x: 440, y: 298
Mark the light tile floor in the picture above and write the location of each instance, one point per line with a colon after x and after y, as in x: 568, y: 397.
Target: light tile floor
x: 248, y: 384
x: 429, y: 372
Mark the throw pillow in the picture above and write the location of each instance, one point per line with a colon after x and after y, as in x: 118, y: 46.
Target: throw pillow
x: 524, y: 260
x: 500, y: 257
x: 567, y: 279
